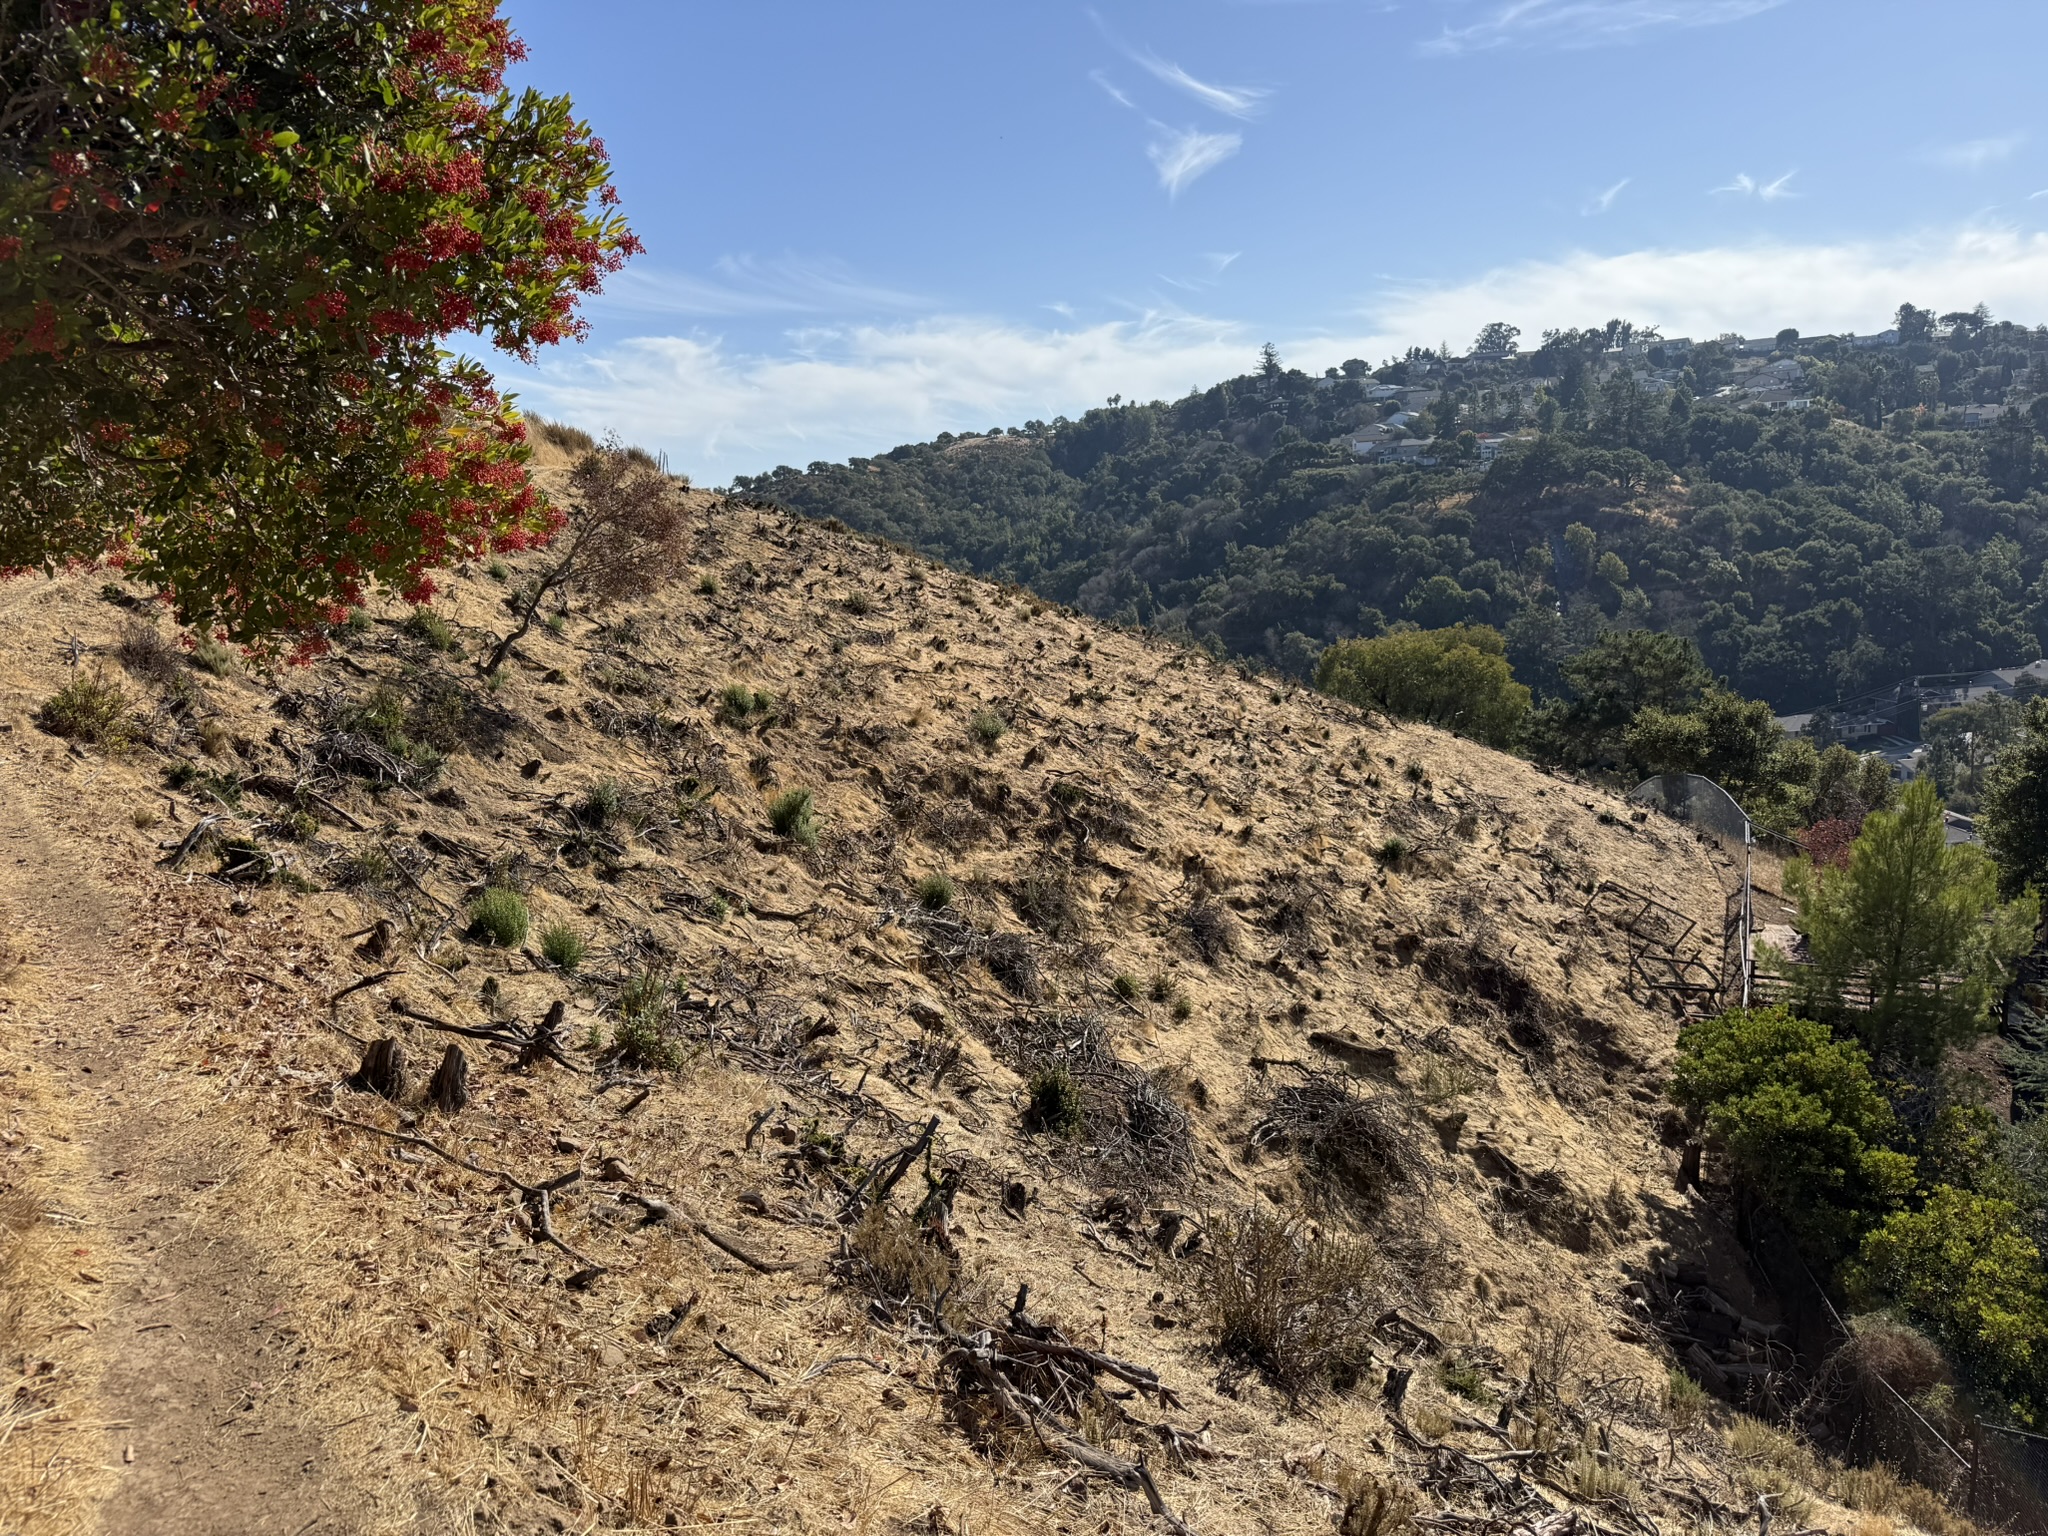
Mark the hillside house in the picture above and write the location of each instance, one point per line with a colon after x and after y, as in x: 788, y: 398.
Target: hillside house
x: 1787, y: 397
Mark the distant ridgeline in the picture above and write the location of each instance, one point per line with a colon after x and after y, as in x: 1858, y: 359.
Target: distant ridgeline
x: 1820, y: 514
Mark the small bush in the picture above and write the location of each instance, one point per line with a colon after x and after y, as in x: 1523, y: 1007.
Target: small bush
x: 737, y: 702
x: 1127, y: 987
x: 1595, y: 1480
x: 1298, y: 1304
x: 643, y: 1037
x: 1183, y: 1006
x: 1685, y: 1400
x: 1392, y: 851
x: 1161, y: 988
x: 987, y: 727
x: 499, y: 917
x: 145, y: 652
x: 1444, y: 1081
x: 562, y: 946
x: 794, y: 817
x: 556, y: 624
x: 209, y: 655
x: 425, y: 624
x: 1373, y: 1507
x: 91, y: 707
x: 497, y: 570
x: 1055, y: 1102
x: 859, y: 604
x: 1045, y: 899
x: 604, y: 804
x: 707, y: 585
x: 1463, y: 1378
x: 935, y: 893
x: 365, y: 869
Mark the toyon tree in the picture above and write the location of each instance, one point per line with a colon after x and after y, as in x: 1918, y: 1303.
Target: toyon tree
x: 233, y: 236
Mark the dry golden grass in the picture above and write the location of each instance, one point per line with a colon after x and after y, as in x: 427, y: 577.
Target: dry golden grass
x: 455, y: 1377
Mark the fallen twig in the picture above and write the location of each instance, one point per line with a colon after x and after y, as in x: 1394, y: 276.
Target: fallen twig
x: 744, y: 1363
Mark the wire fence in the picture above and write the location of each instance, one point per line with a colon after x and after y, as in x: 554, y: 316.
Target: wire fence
x: 1996, y: 1474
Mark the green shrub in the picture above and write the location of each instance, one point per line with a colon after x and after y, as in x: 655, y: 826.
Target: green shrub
x: 425, y: 624
x: 935, y: 893
x: 604, y: 804
x: 499, y: 917
x: 643, y: 1036
x: 1463, y: 1378
x: 737, y: 702
x: 497, y: 570
x: 1799, y: 1117
x: 987, y: 727
x: 556, y: 624
x: 1127, y: 987
x: 1392, y: 851
x: 1685, y: 1400
x: 859, y: 604
x: 1054, y: 1102
x: 707, y: 585
x: 562, y: 946
x: 794, y: 817
x: 209, y: 655
x: 91, y: 707
x: 1183, y: 1006
x: 1965, y: 1267
x: 1457, y: 678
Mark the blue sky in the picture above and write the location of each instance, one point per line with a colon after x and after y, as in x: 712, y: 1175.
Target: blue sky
x: 869, y: 221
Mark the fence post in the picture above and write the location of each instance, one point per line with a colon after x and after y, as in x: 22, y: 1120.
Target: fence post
x: 1976, y: 1460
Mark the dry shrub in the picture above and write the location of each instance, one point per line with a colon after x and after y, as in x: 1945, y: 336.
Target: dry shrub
x: 1361, y: 1148
x: 1875, y: 1489
x: 1373, y: 1506
x: 1045, y: 898
x: 571, y: 440
x: 144, y: 651
x: 1884, y: 1346
x: 890, y: 1258
x: 1010, y: 960
x: 1298, y: 1304
x: 1597, y: 1480
x: 1776, y: 1464
x: 1213, y: 929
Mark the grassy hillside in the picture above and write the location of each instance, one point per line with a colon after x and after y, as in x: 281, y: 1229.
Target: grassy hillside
x: 1188, y: 977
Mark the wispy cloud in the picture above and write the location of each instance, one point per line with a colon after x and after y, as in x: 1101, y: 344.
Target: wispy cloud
x: 1974, y: 154
x: 748, y: 285
x: 1746, y: 185
x: 833, y: 391
x: 1110, y: 89
x: 1587, y: 23
x: 1182, y: 155
x: 1600, y: 202
x: 1231, y: 100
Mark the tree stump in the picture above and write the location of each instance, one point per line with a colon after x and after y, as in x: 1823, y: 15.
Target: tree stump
x: 383, y: 1069
x: 1689, y: 1166
x: 1396, y: 1390
x: 547, y: 1037
x: 449, y: 1089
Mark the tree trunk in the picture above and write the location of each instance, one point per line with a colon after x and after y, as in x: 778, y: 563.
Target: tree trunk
x: 383, y: 1069
x: 547, y: 584
x: 450, y: 1088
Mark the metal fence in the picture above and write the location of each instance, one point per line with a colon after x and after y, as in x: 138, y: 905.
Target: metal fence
x: 1997, y: 1474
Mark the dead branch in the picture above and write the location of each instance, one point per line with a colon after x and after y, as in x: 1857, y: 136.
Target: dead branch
x: 744, y: 1363
x: 535, y: 1195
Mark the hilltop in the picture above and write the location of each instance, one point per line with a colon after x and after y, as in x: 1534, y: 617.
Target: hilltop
x: 1820, y: 515
x: 1125, y: 928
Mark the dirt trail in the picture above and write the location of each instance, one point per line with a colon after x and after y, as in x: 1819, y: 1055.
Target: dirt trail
x: 196, y: 1388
